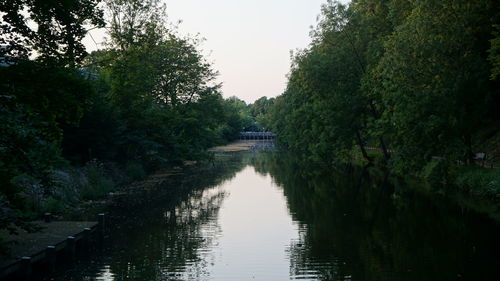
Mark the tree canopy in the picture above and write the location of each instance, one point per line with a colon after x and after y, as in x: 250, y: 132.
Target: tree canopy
x: 49, y: 28
x: 419, y: 77
x: 74, y: 125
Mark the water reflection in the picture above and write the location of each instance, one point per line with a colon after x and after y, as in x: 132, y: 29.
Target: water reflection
x: 359, y: 224
x: 272, y: 217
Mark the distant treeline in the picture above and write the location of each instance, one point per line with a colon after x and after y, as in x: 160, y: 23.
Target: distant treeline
x: 418, y: 77
x: 74, y: 126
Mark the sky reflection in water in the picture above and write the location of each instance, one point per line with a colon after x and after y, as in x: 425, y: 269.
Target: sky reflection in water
x: 244, y: 224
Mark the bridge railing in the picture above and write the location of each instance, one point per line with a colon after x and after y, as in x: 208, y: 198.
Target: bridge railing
x: 257, y: 136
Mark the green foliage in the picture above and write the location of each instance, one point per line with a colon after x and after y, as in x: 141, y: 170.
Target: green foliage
x: 32, y: 85
x: 53, y: 205
x: 96, y: 135
x: 23, y: 147
x: 135, y: 22
x: 159, y: 99
x: 32, y: 192
x: 149, y: 100
x: 438, y: 172
x: 435, y: 89
x: 479, y: 182
x: 259, y: 111
x: 9, y: 218
x: 327, y: 113
x: 494, y: 52
x: 238, y: 118
x: 156, y: 101
x: 393, y: 73
x: 51, y: 28
x: 98, y: 184
x: 135, y: 171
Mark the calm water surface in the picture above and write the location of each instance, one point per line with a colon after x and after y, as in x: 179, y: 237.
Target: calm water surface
x: 266, y: 217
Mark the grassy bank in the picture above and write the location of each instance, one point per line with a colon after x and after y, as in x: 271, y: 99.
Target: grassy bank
x: 479, y: 182
x: 470, y: 186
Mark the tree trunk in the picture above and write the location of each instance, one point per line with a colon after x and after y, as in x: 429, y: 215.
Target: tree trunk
x: 384, y: 148
x: 470, y: 155
x: 381, y: 139
x: 362, y: 147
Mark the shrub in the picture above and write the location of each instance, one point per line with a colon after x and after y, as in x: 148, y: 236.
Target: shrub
x: 435, y: 172
x: 98, y: 184
x: 32, y: 192
x: 479, y: 181
x: 135, y: 170
x: 65, y: 185
x: 53, y: 205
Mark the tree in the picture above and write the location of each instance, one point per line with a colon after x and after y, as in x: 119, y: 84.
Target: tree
x: 40, y: 95
x: 259, y: 111
x: 160, y: 86
x: 494, y: 53
x: 135, y: 22
x: 52, y: 29
x: 331, y: 107
x: 393, y: 72
x: 433, y: 80
x: 32, y: 85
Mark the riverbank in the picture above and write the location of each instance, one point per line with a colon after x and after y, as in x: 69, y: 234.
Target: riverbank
x: 171, y: 230
x: 470, y: 186
x: 236, y: 146
x: 89, y: 208
x: 42, y: 245
x: 71, y: 220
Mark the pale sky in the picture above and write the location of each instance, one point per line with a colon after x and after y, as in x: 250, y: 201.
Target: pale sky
x: 249, y: 42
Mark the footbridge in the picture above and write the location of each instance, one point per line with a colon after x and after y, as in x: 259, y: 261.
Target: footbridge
x: 257, y: 136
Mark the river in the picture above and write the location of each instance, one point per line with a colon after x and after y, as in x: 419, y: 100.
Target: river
x: 266, y: 216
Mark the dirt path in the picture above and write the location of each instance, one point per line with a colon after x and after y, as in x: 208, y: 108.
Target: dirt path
x: 30, y: 244
x: 240, y: 145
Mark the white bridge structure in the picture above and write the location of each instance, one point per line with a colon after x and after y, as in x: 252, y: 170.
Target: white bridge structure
x: 257, y: 136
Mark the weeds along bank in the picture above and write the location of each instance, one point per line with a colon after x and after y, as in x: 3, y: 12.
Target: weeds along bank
x: 124, y: 203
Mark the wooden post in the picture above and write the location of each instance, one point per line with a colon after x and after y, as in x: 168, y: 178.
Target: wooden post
x: 50, y: 255
x: 86, y: 232
x: 71, y: 247
x: 101, y: 225
x: 26, y: 268
x: 86, y: 238
x: 47, y: 217
x: 100, y: 221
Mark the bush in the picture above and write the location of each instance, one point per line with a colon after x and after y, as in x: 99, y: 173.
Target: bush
x: 11, y: 220
x: 98, y: 184
x: 66, y: 185
x: 479, y: 181
x: 436, y: 172
x: 31, y: 192
x: 135, y: 170
x: 53, y: 205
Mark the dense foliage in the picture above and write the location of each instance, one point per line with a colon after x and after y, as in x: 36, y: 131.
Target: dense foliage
x: 418, y: 77
x: 76, y: 125
x: 51, y: 28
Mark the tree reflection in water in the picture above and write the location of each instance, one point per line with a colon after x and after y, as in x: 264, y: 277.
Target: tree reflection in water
x: 161, y: 233
x: 347, y: 223
x: 362, y: 224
